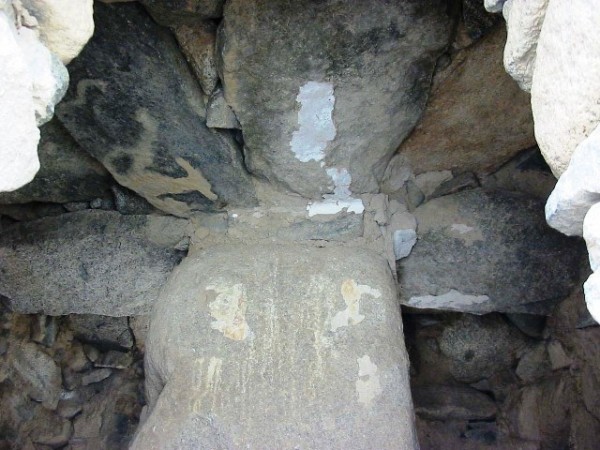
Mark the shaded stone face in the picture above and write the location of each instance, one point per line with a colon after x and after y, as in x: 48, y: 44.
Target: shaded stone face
x: 481, y: 251
x: 94, y: 262
x: 134, y: 105
x: 327, y: 85
x: 291, y: 346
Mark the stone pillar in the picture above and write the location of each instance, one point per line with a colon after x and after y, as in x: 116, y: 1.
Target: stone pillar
x: 278, y: 345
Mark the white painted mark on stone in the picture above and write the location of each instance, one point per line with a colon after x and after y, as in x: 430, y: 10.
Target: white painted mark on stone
x: 368, y: 386
x: 352, y: 293
x: 229, y: 311
x: 340, y: 199
x: 315, y: 122
x: 452, y: 300
x: 461, y: 228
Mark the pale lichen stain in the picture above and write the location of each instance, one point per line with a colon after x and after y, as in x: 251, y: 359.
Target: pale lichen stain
x: 352, y: 293
x: 229, y: 311
x: 368, y: 386
x: 203, y: 385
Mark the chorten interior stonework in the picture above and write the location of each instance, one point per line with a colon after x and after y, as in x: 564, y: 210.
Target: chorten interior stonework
x: 334, y: 224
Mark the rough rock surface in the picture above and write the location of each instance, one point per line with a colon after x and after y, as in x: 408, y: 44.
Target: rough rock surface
x: 67, y: 172
x: 140, y: 112
x: 49, y: 77
x: 176, y: 12
x: 578, y: 188
x: 479, y: 347
x: 524, y: 19
x: 470, y: 123
x: 19, y: 135
x: 304, y: 343
x: 197, y: 43
x: 65, y: 26
x: 566, y: 80
x: 481, y: 251
x: 451, y: 402
x: 337, y: 87
x: 99, y: 416
x: 88, y: 262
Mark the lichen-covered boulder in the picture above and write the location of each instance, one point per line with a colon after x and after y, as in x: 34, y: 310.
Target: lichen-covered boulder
x: 134, y: 105
x: 565, y: 92
x: 89, y: 262
x: 328, y: 86
x: 278, y: 346
x: 480, y: 251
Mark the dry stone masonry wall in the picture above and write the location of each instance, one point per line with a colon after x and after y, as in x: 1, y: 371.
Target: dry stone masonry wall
x: 249, y: 193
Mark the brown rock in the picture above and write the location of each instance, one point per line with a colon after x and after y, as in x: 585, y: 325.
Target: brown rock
x: 476, y: 118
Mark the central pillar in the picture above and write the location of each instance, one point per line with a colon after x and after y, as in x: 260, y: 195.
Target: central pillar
x: 278, y: 346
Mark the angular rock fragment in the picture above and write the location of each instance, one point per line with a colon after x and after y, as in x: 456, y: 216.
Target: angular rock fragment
x: 480, y: 251
x: 39, y: 372
x: 471, y: 123
x: 88, y: 262
x: 452, y: 403
x: 197, y: 42
x: 339, y: 86
x: 102, y: 331
x: 135, y: 106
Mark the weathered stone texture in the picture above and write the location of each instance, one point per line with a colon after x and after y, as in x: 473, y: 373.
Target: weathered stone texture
x: 135, y: 106
x: 471, y: 123
x: 328, y: 85
x: 480, y: 251
x: 65, y: 26
x: 565, y: 93
x: 67, y: 172
x: 89, y: 262
x: 304, y: 343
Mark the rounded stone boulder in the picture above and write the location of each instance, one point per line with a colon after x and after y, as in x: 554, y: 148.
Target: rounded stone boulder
x: 278, y: 346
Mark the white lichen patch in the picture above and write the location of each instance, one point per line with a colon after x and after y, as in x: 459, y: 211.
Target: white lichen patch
x: 352, y: 294
x: 368, y: 386
x: 229, y: 311
x: 315, y: 122
x: 468, y: 234
x: 340, y: 200
x: 452, y: 300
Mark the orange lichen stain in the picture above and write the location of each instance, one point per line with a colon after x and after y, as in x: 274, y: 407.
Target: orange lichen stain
x: 352, y: 294
x: 229, y: 311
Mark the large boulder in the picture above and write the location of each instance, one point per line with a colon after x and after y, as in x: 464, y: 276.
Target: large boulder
x: 67, y: 172
x: 328, y: 86
x: 566, y: 81
x: 304, y: 343
x: 19, y: 135
x: 135, y: 106
x: 65, y: 26
x: 472, y: 123
x: 89, y: 262
x: 480, y: 251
